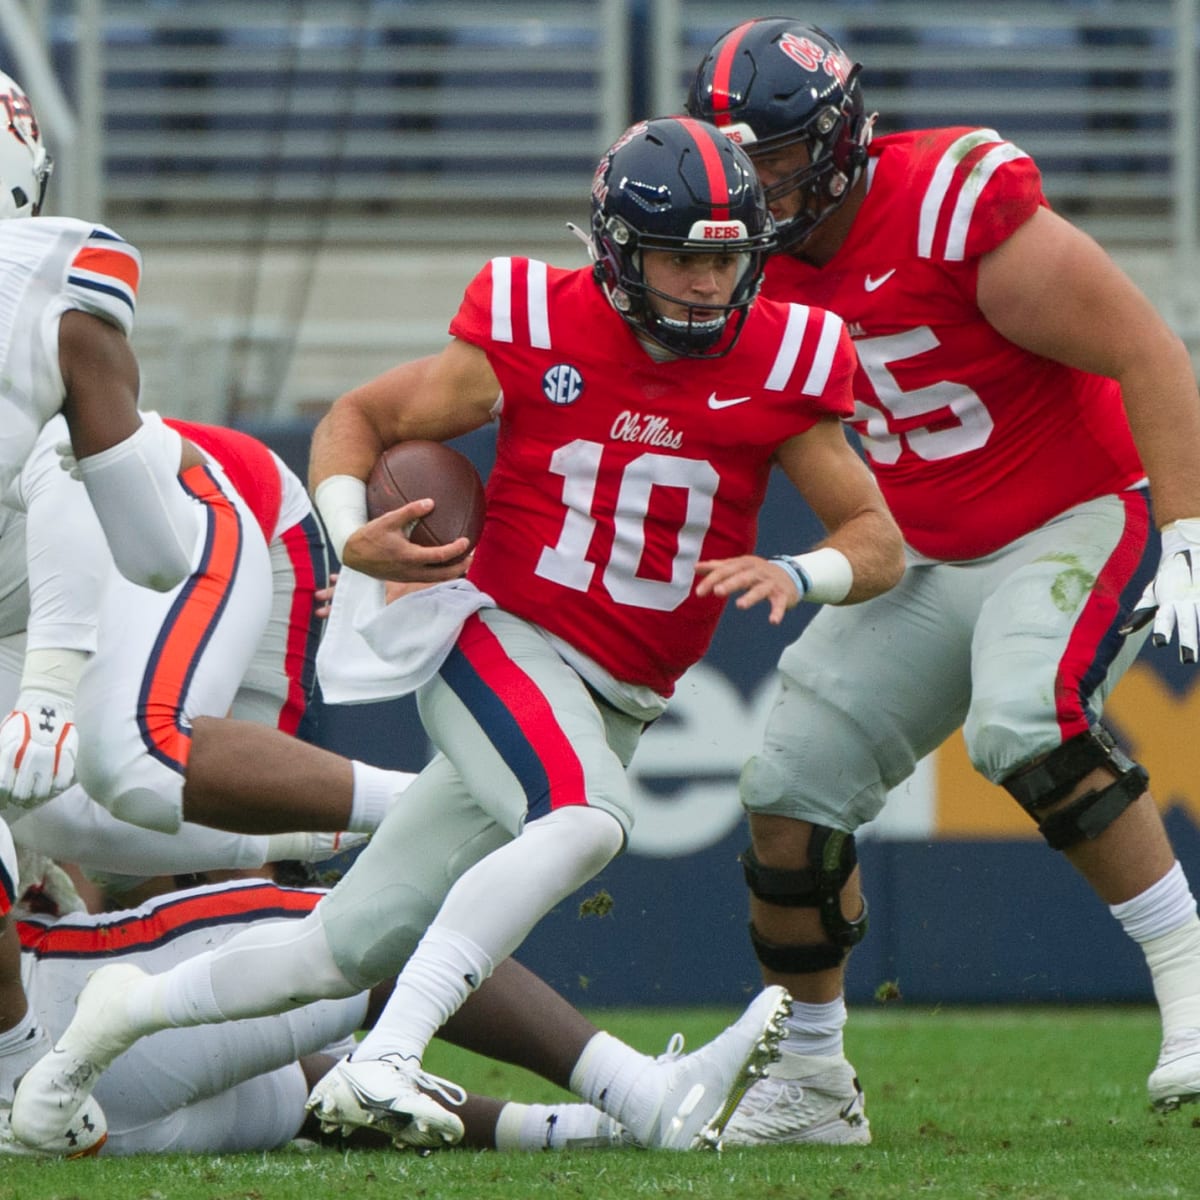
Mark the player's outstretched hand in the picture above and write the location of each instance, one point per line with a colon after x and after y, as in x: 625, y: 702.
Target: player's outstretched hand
x: 382, y: 548
x: 756, y: 578
x: 1172, y: 599
x: 38, y: 744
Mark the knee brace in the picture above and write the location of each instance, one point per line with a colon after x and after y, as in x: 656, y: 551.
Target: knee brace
x: 832, y: 857
x: 1046, y: 782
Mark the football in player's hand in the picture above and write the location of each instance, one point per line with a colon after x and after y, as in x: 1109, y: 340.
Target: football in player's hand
x: 417, y: 470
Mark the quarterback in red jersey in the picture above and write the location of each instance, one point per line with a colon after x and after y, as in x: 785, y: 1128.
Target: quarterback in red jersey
x: 1019, y: 402
x: 641, y: 405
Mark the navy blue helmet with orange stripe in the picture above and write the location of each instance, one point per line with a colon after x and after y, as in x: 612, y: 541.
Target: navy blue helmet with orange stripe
x: 678, y: 185
x: 772, y: 83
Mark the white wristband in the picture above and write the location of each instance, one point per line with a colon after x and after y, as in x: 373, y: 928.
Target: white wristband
x: 342, y: 502
x: 826, y: 574
x: 56, y: 671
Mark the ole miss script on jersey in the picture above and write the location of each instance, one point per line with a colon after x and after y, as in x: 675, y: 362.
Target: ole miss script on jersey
x: 974, y: 441
x: 616, y: 474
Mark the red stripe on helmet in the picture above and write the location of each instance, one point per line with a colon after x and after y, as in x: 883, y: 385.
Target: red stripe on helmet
x: 710, y: 155
x: 722, y: 69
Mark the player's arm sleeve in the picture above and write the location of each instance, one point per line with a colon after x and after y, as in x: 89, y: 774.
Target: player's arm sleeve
x: 66, y: 554
x: 150, y: 523
x: 72, y: 827
x: 1005, y: 192
x: 486, y: 307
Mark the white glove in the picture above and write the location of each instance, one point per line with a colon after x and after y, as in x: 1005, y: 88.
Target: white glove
x: 38, y: 744
x: 67, y: 460
x: 1173, y: 597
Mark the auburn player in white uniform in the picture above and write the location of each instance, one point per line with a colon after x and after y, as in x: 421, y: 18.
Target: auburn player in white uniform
x: 1014, y: 394
x: 254, y: 656
x: 242, y: 1085
x: 641, y: 407
x: 69, y: 289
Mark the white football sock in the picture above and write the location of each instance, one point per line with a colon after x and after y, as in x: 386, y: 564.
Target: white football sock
x: 20, y: 1047
x: 485, y: 916
x: 375, y: 791
x: 445, y: 968
x: 554, y: 1127
x: 1163, y: 921
x: 1161, y: 908
x: 815, y: 1029
x: 608, y: 1075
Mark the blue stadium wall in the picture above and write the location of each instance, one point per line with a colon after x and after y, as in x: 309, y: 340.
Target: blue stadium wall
x: 952, y: 921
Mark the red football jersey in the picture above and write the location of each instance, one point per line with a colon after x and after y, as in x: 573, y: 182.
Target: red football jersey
x: 615, y: 474
x: 249, y: 464
x: 974, y: 441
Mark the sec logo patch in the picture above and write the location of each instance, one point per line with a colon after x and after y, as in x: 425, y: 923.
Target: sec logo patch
x: 562, y: 384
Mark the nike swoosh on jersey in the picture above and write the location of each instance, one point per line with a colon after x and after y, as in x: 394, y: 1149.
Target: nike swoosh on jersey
x: 713, y: 402
x: 871, y: 284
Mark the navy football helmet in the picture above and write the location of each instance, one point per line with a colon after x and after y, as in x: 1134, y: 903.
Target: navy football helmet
x: 772, y: 83
x: 678, y: 185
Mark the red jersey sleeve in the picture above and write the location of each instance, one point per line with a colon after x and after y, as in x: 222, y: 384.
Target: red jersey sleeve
x: 976, y: 190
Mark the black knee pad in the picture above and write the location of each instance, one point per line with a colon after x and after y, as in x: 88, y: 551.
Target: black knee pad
x: 1089, y: 815
x: 833, y: 857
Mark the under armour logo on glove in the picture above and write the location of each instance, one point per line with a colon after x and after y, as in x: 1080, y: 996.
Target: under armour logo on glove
x: 1173, y: 597
x: 38, y: 744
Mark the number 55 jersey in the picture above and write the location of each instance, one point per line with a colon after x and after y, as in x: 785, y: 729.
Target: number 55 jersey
x: 974, y: 440
x: 616, y: 473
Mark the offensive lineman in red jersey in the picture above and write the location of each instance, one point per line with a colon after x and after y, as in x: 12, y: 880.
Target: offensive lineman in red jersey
x: 1015, y: 396
x: 641, y: 407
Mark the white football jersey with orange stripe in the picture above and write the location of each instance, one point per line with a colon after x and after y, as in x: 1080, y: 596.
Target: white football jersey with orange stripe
x: 48, y: 266
x: 974, y: 440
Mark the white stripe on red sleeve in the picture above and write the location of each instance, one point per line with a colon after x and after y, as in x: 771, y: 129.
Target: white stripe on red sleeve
x: 538, y: 305
x: 789, y: 348
x: 502, y: 300
x: 822, y: 363
x: 939, y: 185
x: 968, y: 196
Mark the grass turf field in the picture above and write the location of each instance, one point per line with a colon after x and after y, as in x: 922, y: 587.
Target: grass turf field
x: 994, y: 1104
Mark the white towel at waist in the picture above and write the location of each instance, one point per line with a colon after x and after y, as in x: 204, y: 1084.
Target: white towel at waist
x: 377, y: 651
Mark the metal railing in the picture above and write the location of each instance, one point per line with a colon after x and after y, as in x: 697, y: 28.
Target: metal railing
x: 295, y: 130
x: 212, y: 118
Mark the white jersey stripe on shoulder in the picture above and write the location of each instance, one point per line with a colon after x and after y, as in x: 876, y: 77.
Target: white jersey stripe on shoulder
x: 789, y: 348
x: 538, y: 305
x: 827, y: 344
x: 939, y: 185
x: 968, y: 196
x: 502, y: 300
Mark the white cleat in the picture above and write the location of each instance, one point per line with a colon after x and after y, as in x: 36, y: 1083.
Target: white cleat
x: 804, y: 1100
x: 385, y: 1094
x: 701, y: 1090
x: 83, y: 1138
x: 53, y: 1100
x: 1176, y: 1078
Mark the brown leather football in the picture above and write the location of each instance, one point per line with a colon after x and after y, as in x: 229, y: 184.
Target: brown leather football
x: 417, y: 470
